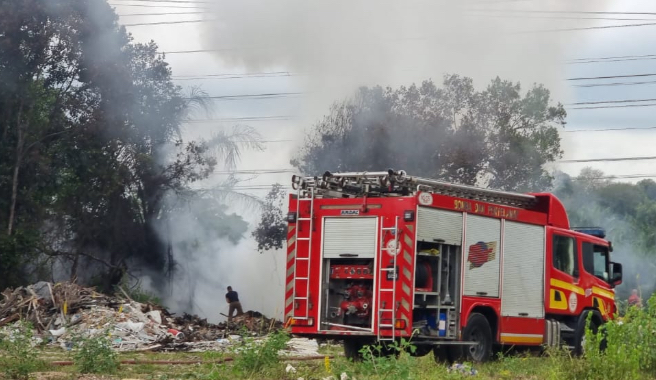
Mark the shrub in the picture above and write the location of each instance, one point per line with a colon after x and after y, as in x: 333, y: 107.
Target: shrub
x: 252, y: 356
x: 18, y: 358
x: 95, y: 355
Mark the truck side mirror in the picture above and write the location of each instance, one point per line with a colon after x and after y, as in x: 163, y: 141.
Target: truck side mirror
x: 616, y: 274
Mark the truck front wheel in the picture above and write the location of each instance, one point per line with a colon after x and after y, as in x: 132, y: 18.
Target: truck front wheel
x: 478, y: 330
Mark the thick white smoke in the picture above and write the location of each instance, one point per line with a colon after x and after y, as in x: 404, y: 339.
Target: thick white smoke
x: 339, y: 45
x: 333, y: 47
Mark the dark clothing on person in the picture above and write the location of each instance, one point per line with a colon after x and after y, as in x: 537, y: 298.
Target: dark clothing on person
x: 234, y: 306
x: 233, y: 300
x: 232, y: 296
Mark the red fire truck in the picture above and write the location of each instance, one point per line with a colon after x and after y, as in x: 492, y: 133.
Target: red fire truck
x: 458, y: 270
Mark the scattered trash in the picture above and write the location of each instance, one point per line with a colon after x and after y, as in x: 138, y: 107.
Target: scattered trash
x: 64, y: 311
x: 175, y: 333
x: 58, y: 332
x: 290, y: 368
x: 302, y: 347
x: 463, y: 369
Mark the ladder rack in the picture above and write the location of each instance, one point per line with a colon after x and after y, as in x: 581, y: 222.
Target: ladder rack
x: 397, y: 183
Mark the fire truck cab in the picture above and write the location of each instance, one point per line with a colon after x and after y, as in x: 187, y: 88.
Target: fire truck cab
x: 458, y: 270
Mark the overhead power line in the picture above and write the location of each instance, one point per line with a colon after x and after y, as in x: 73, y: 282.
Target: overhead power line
x: 613, y: 102
x: 235, y: 76
x: 168, y: 1
x: 612, y: 106
x: 588, y: 28
x: 612, y: 77
x: 608, y: 159
x: 160, y: 14
x: 564, y: 12
x: 614, y: 84
x: 250, y: 118
x: 257, y: 171
x: 610, y: 129
x: 165, y: 22
x: 255, y: 96
x: 620, y: 176
x: 156, y: 6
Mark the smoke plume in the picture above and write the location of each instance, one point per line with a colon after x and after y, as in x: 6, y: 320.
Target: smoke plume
x: 332, y: 47
x: 336, y: 46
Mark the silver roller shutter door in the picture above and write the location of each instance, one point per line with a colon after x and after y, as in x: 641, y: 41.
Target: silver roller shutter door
x: 347, y: 236
x: 439, y: 224
x: 523, y: 270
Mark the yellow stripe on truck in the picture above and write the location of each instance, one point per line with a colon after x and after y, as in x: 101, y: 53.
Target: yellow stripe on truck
x: 521, y: 338
x: 567, y: 286
x: 602, y: 292
x: 557, y: 304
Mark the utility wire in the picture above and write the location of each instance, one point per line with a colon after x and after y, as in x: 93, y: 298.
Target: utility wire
x: 612, y: 77
x: 234, y: 76
x: 248, y: 118
x: 621, y: 176
x: 157, y: 6
x: 564, y: 12
x: 587, y: 28
x: 618, y: 106
x: 608, y: 159
x: 615, y: 84
x: 255, y: 96
x: 160, y: 14
x: 609, y: 129
x: 613, y: 102
x: 165, y: 22
x: 169, y: 1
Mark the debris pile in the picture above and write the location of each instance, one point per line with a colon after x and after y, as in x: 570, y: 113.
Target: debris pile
x: 63, y: 312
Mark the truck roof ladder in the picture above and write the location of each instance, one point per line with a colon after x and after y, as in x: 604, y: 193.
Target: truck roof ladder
x: 397, y: 183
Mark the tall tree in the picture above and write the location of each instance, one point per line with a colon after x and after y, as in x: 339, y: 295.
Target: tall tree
x: 497, y: 137
x: 91, y: 142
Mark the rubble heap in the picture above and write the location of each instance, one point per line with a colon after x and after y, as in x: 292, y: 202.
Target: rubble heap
x: 62, y: 312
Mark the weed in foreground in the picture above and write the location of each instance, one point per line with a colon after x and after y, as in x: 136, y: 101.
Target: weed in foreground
x: 18, y: 356
x: 253, y: 356
x: 95, y: 355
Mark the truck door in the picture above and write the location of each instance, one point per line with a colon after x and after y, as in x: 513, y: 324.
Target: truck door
x: 565, y: 294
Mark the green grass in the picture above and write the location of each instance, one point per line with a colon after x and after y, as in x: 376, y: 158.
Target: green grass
x: 519, y: 366
x: 630, y: 355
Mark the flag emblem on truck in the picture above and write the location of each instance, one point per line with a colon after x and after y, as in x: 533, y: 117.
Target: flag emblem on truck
x: 480, y: 253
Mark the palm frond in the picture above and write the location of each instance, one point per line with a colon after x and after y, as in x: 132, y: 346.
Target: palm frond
x: 227, y: 195
x: 228, y: 146
x: 198, y: 102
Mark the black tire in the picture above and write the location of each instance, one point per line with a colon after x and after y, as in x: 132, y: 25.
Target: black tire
x: 579, y: 334
x: 478, y: 330
x: 441, y: 355
x: 421, y: 350
x: 352, y: 349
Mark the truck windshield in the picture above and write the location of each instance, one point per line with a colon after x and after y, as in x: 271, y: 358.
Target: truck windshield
x: 595, y: 260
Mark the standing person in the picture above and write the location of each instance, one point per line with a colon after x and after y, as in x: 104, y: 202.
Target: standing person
x: 232, y: 298
x: 634, y: 299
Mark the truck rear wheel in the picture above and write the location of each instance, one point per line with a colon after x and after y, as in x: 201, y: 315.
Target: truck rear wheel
x: 478, y: 330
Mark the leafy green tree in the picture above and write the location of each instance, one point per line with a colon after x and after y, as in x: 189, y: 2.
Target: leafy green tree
x: 271, y: 232
x: 92, y: 146
x: 497, y: 137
